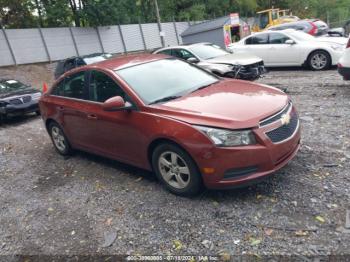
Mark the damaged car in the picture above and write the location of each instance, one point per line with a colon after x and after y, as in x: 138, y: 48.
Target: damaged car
x: 218, y: 61
x: 17, y: 98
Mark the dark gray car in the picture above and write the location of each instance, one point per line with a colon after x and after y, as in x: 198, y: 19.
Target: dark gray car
x: 17, y: 98
x: 76, y: 61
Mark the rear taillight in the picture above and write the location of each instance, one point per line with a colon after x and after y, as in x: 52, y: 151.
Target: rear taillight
x: 313, y: 30
x: 348, y: 45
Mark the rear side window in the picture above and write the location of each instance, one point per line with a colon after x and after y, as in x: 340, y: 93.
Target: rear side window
x: 278, y: 38
x: 102, y: 87
x: 72, y: 86
x: 257, y: 40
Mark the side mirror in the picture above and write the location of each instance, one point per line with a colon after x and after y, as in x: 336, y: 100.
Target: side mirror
x: 192, y: 60
x: 290, y: 42
x: 116, y: 103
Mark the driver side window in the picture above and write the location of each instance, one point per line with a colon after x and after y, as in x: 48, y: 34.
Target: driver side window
x: 278, y: 38
x: 102, y: 87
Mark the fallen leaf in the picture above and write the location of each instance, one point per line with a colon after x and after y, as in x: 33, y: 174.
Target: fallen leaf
x: 301, y: 233
x: 224, y: 255
x: 50, y: 209
x: 139, y: 179
x: 254, y: 241
x: 72, y: 233
x: 177, y: 244
x: 258, y: 196
x: 320, y: 219
x: 109, y: 221
x: 268, y: 231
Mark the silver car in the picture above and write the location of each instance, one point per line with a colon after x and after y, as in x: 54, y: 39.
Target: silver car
x: 220, y: 62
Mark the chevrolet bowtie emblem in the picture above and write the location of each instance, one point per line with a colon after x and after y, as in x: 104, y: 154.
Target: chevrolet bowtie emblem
x: 285, y: 119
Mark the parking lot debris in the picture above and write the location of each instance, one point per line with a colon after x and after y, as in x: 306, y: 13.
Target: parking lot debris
x: 208, y: 244
x: 109, y: 238
x: 347, y: 219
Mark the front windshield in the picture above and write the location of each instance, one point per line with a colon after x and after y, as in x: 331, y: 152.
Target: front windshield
x: 301, y: 36
x: 165, y: 78
x: 11, y: 85
x: 207, y: 51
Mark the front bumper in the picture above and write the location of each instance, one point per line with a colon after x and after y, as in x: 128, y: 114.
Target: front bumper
x: 241, y: 166
x: 14, y: 110
x: 250, y: 72
x: 345, y: 72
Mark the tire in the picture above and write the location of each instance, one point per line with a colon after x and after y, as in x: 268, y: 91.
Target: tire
x: 59, y: 139
x: 168, y: 160
x: 319, y: 60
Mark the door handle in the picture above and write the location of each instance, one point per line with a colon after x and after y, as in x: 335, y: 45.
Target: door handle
x: 92, y: 116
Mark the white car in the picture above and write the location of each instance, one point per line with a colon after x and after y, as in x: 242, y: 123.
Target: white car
x: 344, y: 63
x: 218, y: 61
x: 290, y: 48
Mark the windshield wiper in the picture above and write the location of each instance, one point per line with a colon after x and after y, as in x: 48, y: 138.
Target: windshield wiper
x: 202, y: 87
x: 164, y: 99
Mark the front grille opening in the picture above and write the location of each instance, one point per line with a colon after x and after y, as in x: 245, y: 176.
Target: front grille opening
x: 284, y: 132
x: 240, y: 172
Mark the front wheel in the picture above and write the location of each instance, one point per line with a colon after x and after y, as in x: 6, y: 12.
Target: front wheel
x: 319, y: 60
x: 176, y: 170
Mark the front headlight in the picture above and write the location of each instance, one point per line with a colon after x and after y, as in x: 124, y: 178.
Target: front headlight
x: 36, y: 96
x: 227, y: 138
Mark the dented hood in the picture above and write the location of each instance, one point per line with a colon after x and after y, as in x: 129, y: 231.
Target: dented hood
x: 233, y: 104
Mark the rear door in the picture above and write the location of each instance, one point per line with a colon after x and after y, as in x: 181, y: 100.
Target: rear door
x: 72, y: 108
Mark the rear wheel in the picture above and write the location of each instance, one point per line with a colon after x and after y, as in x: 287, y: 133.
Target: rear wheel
x: 59, y: 139
x: 176, y: 170
x: 319, y: 60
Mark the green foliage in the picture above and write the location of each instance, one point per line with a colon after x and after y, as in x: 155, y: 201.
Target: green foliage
x: 48, y: 13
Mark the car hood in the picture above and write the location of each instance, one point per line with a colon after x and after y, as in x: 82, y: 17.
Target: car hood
x: 233, y: 59
x: 6, y: 94
x: 232, y: 104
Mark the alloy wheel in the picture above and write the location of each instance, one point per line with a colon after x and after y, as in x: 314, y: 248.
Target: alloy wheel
x: 58, y: 138
x: 319, y: 61
x: 174, y: 170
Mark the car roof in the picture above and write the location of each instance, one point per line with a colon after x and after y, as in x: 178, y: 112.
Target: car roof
x: 84, y: 56
x: 183, y: 46
x: 125, y: 61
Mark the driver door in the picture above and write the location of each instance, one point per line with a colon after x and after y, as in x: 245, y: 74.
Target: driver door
x: 113, y: 133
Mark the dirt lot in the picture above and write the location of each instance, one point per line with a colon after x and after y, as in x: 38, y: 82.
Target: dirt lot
x: 55, y: 205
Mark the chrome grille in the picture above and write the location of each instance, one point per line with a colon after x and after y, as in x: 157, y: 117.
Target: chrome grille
x: 285, y: 131
x: 26, y: 99
x: 16, y: 101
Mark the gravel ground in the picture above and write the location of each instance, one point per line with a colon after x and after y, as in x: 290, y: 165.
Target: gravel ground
x: 76, y: 205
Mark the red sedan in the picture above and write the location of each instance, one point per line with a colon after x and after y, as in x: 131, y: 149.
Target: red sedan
x: 162, y: 114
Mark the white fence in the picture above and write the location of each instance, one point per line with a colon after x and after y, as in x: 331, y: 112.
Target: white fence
x: 24, y: 46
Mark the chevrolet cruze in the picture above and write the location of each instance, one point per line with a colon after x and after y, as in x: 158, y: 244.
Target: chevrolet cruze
x: 190, y: 127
